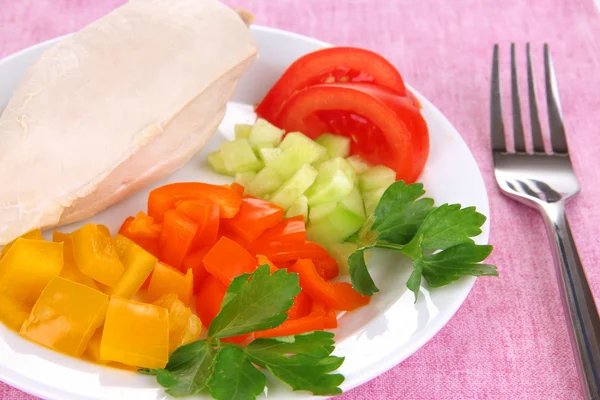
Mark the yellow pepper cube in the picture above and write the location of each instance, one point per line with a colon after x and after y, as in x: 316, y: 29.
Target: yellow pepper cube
x: 92, y: 351
x: 96, y: 255
x: 12, y: 312
x: 66, y: 316
x: 27, y: 268
x: 184, y: 326
x: 35, y: 234
x: 135, y: 334
x: 138, y: 264
x: 70, y: 269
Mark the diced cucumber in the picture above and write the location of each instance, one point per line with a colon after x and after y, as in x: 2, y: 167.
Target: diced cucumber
x: 298, y: 207
x: 245, y: 178
x: 354, y: 202
x: 266, y: 154
x: 294, y: 187
x: 304, y: 145
x: 266, y: 181
x: 320, y: 211
x: 341, y: 252
x: 334, y: 182
x: 263, y: 133
x: 216, y: 163
x: 358, y: 163
x: 239, y: 156
x: 371, y: 199
x: 242, y: 131
x: 336, y: 145
x: 335, y: 227
x: 376, y: 177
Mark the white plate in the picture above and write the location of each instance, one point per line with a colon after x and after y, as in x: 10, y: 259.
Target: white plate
x: 373, y: 339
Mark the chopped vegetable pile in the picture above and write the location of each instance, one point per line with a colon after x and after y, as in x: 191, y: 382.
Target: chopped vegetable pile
x: 260, y: 263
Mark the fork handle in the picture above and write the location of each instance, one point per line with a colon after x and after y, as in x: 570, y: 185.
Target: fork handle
x: 578, y: 302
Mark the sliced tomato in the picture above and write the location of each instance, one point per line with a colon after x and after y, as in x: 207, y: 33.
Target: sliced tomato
x: 255, y: 216
x: 290, y: 230
x: 330, y: 65
x: 384, y: 128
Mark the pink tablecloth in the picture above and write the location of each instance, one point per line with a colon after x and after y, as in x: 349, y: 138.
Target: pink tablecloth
x: 509, y: 340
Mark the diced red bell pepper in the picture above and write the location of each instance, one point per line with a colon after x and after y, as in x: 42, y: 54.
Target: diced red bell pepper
x: 262, y: 260
x: 289, y: 251
x: 176, y: 238
x: 166, y: 197
x: 208, y: 301
x: 327, y: 267
x: 255, y: 216
x: 194, y: 262
x: 224, y: 231
x: 206, y: 216
x: 227, y: 259
x: 335, y: 295
x: 239, y: 189
x: 143, y: 226
x: 301, y: 307
x: 319, y: 318
x: 151, y: 245
x: 289, y: 230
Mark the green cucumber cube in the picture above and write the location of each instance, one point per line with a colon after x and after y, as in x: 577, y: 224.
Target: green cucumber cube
x: 298, y: 207
x: 321, y: 211
x: 216, y: 163
x: 336, y: 145
x: 334, y: 182
x: 358, y: 163
x: 245, y: 178
x: 242, y: 131
x: 341, y: 252
x: 266, y: 181
x: 337, y: 226
x: 376, y: 177
x: 266, y: 154
x: 354, y: 202
x: 294, y: 187
x: 371, y: 199
x: 263, y: 132
x: 239, y: 156
x: 312, y: 151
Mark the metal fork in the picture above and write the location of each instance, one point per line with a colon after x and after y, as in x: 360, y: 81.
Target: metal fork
x: 545, y: 180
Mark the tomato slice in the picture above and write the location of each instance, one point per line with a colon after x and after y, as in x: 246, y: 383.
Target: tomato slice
x: 255, y: 217
x: 384, y: 128
x: 330, y: 65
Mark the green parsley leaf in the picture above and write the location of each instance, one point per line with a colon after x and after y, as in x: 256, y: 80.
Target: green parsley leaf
x: 314, y: 344
x: 359, y: 274
x: 260, y: 303
x: 188, y: 369
x: 449, y: 265
x: 235, y: 377
x: 400, y: 212
x: 414, y: 280
x: 449, y: 225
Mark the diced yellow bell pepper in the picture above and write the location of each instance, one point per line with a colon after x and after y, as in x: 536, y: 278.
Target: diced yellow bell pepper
x: 12, y: 312
x: 184, y: 326
x: 138, y: 264
x: 92, y: 351
x: 66, y: 316
x: 35, y: 234
x: 96, y: 255
x: 27, y: 268
x: 70, y: 269
x: 135, y: 334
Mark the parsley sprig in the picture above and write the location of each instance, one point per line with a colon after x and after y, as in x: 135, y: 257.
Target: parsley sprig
x: 436, y: 239
x: 228, y: 371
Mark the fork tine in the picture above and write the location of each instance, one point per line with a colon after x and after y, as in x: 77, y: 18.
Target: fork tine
x: 516, y: 103
x: 497, y: 125
x: 536, y: 129
x: 557, y: 129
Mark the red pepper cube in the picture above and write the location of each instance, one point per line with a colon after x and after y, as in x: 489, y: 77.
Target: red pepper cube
x: 255, y: 217
x: 227, y: 259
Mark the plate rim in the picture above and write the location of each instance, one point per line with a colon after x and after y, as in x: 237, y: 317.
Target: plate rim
x: 395, y: 357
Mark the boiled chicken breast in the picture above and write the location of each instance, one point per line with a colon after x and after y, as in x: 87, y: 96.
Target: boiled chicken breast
x: 119, y: 105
